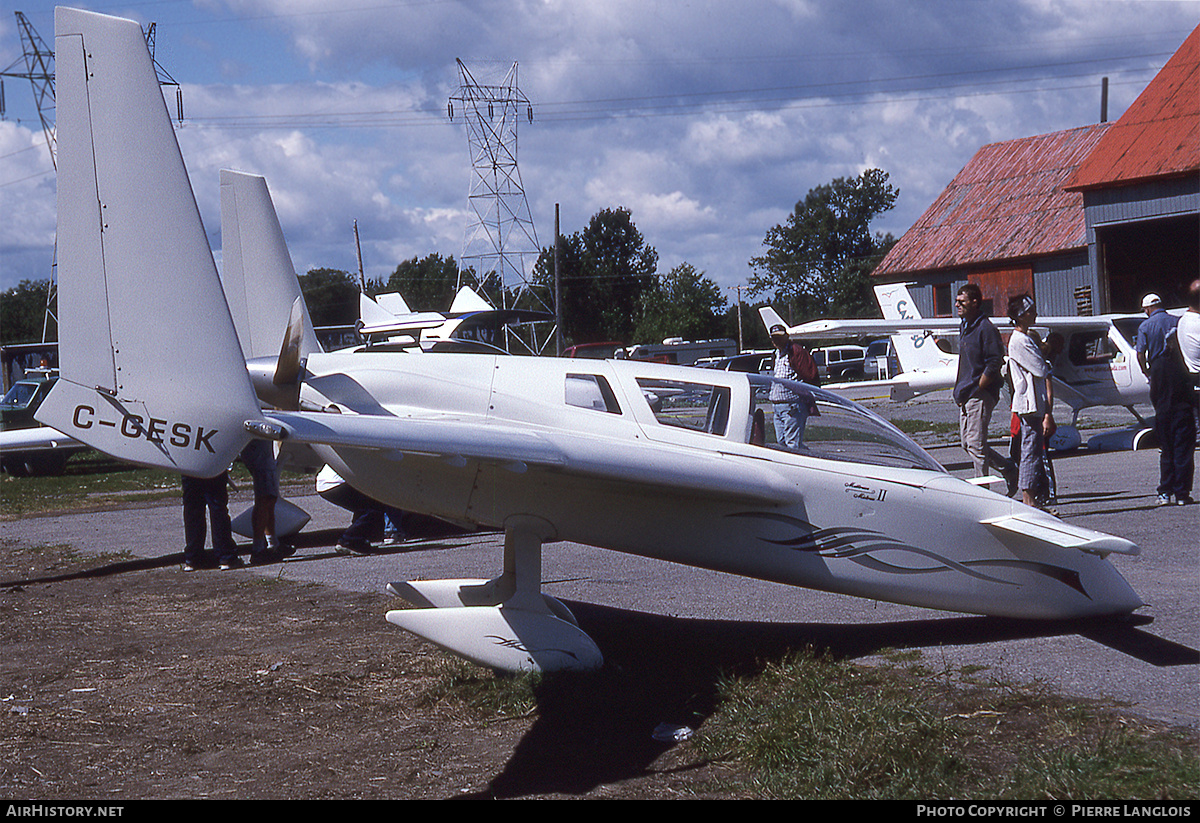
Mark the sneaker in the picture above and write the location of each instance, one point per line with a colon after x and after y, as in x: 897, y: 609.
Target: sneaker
x: 228, y: 563
x: 391, y: 540
x: 1165, y: 500
x: 359, y: 548
x: 195, y: 564
x: 1185, y: 500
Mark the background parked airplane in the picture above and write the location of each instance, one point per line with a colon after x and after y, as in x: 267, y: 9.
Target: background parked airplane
x: 1097, y: 365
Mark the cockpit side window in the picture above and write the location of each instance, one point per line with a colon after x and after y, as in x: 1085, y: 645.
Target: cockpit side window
x: 700, y: 407
x: 591, y: 391
x: 1091, y: 348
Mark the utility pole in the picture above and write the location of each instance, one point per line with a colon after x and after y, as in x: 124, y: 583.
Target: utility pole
x: 362, y: 279
x: 558, y: 318
x: 741, y: 343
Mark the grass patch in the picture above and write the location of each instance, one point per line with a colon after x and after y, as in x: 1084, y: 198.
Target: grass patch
x: 911, y: 427
x: 815, y: 728
x: 91, y: 479
x: 95, y: 481
x: 486, y: 695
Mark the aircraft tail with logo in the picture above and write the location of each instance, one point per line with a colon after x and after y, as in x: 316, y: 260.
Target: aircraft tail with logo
x: 916, y: 350
x: 151, y: 369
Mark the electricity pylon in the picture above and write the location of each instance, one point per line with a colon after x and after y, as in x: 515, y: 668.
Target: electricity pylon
x: 500, y: 245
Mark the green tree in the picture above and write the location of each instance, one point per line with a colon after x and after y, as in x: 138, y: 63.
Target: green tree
x: 605, y: 270
x: 331, y: 296
x: 818, y: 263
x: 426, y: 284
x: 23, y: 313
x: 684, y: 304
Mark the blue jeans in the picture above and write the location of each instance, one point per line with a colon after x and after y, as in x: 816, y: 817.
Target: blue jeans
x: 790, y: 419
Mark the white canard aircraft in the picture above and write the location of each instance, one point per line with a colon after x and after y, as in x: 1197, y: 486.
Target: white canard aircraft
x: 656, y: 460
x: 471, y: 325
x: 1098, y: 365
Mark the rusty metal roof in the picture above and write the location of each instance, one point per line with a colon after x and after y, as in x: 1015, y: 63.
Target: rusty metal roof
x: 1008, y: 202
x: 1158, y: 135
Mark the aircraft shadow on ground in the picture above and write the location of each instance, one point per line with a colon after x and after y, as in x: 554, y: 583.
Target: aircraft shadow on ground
x: 594, y: 729
x: 306, y: 540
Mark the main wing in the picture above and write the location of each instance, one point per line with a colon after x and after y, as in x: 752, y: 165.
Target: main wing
x: 517, y: 448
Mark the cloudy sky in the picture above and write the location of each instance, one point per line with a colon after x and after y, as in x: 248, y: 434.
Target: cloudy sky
x: 707, y: 120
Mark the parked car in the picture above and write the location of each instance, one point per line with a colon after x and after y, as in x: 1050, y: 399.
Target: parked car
x: 753, y: 362
x: 16, y: 412
x: 840, y: 361
x: 682, y: 352
x: 882, y: 362
x: 594, y: 351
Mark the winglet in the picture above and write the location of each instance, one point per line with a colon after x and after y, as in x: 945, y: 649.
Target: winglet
x: 151, y: 369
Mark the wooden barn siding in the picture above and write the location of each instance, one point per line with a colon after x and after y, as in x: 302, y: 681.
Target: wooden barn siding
x: 1055, y: 279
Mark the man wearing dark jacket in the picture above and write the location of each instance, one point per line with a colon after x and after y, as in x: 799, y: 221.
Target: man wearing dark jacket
x: 977, y: 389
x: 1170, y: 392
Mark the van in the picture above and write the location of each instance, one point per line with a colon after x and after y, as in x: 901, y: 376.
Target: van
x: 840, y: 361
x: 882, y: 362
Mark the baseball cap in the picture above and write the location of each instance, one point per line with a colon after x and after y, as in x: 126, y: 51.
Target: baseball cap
x: 1150, y: 299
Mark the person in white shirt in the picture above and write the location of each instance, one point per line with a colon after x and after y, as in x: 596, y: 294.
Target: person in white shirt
x: 1188, y: 331
x: 1033, y: 393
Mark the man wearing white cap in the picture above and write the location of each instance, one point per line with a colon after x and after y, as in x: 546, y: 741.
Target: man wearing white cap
x: 1157, y: 349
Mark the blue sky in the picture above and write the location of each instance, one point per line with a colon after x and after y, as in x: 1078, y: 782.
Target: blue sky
x: 707, y: 120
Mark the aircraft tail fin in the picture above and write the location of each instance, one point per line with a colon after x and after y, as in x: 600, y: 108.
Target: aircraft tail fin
x: 468, y: 300
x: 151, y: 369
x: 373, y: 312
x: 916, y: 351
x: 257, y: 273
x: 393, y: 303
x: 770, y: 317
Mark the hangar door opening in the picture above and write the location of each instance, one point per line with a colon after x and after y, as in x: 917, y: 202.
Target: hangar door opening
x: 1161, y: 256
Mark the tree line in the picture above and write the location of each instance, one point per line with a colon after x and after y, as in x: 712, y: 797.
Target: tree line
x: 816, y: 263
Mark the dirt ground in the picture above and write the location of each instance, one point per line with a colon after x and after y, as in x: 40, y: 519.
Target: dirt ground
x: 130, y: 679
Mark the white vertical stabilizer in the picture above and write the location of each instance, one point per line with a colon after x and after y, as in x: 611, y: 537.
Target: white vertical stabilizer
x: 917, y: 351
x: 147, y: 345
x: 256, y: 268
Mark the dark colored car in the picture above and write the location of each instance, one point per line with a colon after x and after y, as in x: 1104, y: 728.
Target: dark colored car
x: 760, y: 362
x: 16, y: 412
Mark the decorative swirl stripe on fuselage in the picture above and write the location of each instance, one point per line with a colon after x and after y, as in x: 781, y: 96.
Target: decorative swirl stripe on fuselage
x: 858, y: 545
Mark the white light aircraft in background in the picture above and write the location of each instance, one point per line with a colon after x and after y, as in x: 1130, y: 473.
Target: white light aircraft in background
x: 655, y: 460
x: 1098, y: 365
x: 471, y: 325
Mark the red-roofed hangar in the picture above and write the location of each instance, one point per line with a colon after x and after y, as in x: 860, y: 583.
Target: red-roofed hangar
x: 1087, y: 220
